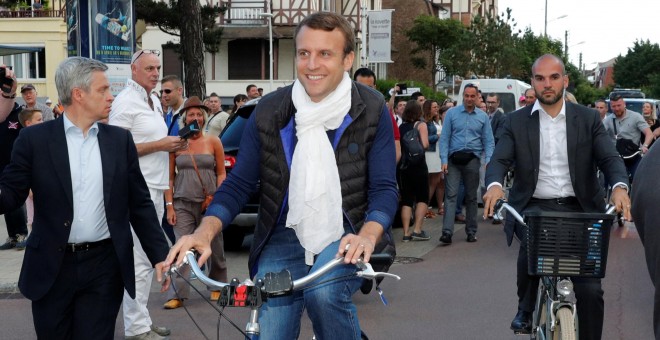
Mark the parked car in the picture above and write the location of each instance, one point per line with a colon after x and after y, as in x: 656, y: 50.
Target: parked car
x: 628, y: 93
x: 635, y: 104
x: 231, y: 136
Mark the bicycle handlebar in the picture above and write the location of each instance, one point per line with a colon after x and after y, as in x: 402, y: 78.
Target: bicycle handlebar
x: 501, y: 205
x: 366, y: 272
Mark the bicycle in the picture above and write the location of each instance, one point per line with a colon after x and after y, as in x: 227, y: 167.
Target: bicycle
x: 252, y: 295
x: 561, y: 245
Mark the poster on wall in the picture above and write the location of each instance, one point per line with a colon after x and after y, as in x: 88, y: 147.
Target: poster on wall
x: 112, y: 38
x: 112, y: 31
x: 72, y: 30
x: 380, y: 36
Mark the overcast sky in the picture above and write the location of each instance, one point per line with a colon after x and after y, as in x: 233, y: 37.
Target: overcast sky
x: 607, y: 28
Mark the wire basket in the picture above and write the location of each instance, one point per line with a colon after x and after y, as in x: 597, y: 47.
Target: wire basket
x: 567, y: 244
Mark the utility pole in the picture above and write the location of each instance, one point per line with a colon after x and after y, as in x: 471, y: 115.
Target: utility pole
x: 566, y: 45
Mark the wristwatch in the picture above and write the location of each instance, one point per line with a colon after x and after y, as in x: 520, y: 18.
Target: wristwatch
x: 11, y: 96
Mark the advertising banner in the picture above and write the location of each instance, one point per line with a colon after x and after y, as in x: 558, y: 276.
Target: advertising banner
x: 380, y: 36
x: 72, y: 28
x: 112, y: 31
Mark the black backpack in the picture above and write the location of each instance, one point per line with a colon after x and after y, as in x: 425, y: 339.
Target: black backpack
x: 412, y: 150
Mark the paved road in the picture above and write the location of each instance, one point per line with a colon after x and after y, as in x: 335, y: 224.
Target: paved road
x: 462, y: 291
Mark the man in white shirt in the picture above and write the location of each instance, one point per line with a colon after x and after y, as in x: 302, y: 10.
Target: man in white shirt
x: 218, y: 118
x: 138, y: 110
x: 554, y: 147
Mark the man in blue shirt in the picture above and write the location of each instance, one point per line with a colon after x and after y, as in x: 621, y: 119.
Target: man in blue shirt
x: 466, y: 134
x: 323, y: 149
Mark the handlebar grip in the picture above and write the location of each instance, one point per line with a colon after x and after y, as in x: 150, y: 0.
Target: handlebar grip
x: 381, y: 259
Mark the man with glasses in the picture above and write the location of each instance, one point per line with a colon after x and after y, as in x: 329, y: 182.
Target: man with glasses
x: 495, y: 114
x: 138, y: 110
x: 171, y: 89
x: 624, y: 124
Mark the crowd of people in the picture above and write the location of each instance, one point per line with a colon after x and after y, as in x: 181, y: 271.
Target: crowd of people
x: 348, y: 167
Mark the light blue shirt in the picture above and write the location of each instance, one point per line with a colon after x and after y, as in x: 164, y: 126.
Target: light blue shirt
x: 89, y: 221
x: 466, y: 131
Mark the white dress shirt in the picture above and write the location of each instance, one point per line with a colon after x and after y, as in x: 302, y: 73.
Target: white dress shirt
x: 89, y: 221
x: 554, y: 175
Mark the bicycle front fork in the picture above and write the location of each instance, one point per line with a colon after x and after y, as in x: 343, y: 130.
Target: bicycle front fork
x: 552, y: 295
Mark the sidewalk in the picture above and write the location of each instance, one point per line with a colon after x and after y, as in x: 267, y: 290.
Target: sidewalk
x: 12, y: 259
x: 11, y: 263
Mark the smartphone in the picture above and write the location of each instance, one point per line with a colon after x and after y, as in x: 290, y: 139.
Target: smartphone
x: 5, y: 83
x: 189, y: 130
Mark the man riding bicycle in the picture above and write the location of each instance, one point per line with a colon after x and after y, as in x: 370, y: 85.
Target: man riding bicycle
x: 323, y: 151
x: 555, y: 147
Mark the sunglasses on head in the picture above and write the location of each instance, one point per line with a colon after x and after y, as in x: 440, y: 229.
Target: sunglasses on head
x: 156, y: 52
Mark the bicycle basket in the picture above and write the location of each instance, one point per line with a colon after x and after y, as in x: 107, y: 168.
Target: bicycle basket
x: 567, y: 244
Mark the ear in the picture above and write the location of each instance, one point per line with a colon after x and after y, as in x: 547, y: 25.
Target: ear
x: 348, y: 61
x: 77, y: 94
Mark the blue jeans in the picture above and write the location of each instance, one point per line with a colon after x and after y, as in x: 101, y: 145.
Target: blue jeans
x: 329, y: 305
x: 469, y: 174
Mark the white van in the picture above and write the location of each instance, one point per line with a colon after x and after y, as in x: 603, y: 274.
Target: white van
x: 509, y: 90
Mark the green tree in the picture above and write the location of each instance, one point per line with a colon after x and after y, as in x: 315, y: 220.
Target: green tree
x: 494, y: 39
x: 435, y: 39
x: 639, y: 67
x: 530, y: 47
x: 186, y: 18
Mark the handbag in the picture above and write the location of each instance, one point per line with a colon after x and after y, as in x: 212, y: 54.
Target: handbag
x: 207, y: 198
x: 462, y: 157
x: 625, y: 147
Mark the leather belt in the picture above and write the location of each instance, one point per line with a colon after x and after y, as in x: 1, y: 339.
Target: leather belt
x: 85, y: 246
x: 571, y: 200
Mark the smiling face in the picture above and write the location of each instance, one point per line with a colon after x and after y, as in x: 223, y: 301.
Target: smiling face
x: 195, y: 114
x: 320, y: 61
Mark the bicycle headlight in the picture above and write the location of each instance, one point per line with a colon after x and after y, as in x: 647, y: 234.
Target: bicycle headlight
x: 565, y: 287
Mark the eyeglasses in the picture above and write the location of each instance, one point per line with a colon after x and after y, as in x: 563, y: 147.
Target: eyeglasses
x: 492, y: 103
x: 615, y: 97
x: 167, y: 91
x: 156, y: 52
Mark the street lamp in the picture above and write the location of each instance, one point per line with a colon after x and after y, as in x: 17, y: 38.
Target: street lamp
x: 270, y: 43
x: 545, y: 29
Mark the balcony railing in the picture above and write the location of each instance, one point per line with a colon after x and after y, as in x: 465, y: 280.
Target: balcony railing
x: 29, y: 13
x: 285, y: 12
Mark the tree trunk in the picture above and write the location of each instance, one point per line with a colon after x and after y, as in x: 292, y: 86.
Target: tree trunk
x: 192, y: 48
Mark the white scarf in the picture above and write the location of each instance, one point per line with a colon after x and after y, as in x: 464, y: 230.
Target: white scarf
x: 315, y: 203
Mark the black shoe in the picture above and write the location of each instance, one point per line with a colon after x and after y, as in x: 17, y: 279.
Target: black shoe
x: 366, y: 286
x: 471, y: 238
x: 445, y: 238
x: 497, y: 221
x: 522, y: 323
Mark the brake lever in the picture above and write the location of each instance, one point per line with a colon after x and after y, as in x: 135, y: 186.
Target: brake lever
x: 369, y: 273
x: 174, y: 269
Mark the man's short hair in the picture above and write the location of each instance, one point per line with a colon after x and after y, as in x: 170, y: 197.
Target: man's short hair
x: 492, y: 94
x: 172, y: 78
x: 600, y: 101
x: 364, y: 72
x: 213, y: 94
x: 247, y: 89
x: 25, y: 115
x: 416, y: 95
x: 329, y: 21
x: 75, y: 72
x: 529, y: 89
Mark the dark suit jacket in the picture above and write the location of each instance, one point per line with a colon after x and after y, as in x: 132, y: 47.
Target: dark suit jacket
x: 496, y: 124
x: 40, y: 161
x: 588, y: 147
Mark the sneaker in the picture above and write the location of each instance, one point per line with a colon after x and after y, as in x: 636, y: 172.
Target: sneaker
x: 407, y: 238
x: 173, y: 304
x: 422, y: 236
x: 9, y: 244
x: 21, y: 241
x: 162, y: 331
x: 150, y: 335
x: 445, y: 238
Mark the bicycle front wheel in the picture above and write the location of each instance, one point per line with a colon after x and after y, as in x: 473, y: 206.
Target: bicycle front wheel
x: 565, y: 329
